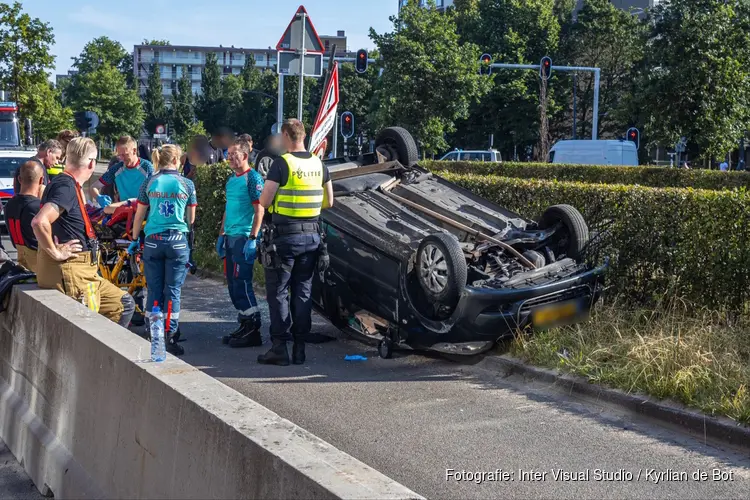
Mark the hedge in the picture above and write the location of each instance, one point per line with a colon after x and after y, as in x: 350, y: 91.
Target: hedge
x: 601, y: 174
x: 210, y: 182
x: 693, y: 244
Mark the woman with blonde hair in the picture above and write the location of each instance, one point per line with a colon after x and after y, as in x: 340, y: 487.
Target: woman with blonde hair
x: 169, y: 200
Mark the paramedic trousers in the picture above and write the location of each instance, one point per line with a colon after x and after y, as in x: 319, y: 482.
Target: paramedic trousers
x: 239, y: 274
x: 165, y: 260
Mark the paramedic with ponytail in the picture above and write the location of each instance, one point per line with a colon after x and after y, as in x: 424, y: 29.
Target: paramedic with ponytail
x: 169, y: 200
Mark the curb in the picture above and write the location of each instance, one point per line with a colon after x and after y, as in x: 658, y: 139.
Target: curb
x: 715, y: 428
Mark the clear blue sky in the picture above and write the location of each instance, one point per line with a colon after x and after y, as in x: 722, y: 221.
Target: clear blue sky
x: 242, y: 23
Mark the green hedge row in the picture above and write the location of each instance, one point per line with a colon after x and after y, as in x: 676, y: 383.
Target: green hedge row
x: 689, y: 243
x: 210, y: 182
x: 601, y: 174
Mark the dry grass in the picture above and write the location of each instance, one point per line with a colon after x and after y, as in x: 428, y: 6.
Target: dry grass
x: 699, y: 358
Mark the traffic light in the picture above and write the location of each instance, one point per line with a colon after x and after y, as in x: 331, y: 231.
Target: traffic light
x: 361, y: 63
x: 347, y: 125
x: 83, y: 122
x: 634, y: 135
x: 485, y: 64
x: 545, y: 68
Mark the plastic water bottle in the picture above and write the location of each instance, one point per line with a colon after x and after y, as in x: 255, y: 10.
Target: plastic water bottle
x: 158, y: 347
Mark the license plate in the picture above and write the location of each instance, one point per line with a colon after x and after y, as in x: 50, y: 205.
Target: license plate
x: 560, y: 314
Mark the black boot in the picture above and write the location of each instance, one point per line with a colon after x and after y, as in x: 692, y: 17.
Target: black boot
x: 298, y: 351
x: 250, y: 336
x: 173, y: 347
x: 278, y: 355
x: 238, y: 332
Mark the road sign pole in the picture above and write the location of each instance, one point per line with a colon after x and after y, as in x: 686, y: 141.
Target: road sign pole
x: 595, y: 119
x: 280, y: 110
x: 336, y: 136
x: 301, y: 70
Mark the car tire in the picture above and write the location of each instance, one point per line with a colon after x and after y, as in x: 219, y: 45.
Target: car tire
x: 577, y: 236
x: 441, y: 268
x: 385, y: 348
x: 401, y: 141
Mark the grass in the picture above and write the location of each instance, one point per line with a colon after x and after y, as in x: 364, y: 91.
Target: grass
x: 701, y: 359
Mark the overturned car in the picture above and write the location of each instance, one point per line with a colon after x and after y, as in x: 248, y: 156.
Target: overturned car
x: 417, y: 260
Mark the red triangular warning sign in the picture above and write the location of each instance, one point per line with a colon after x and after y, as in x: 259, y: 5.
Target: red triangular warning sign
x: 292, y: 37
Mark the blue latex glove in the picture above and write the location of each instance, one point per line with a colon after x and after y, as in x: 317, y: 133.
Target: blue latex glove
x: 250, y: 250
x: 133, y: 247
x: 103, y: 200
x: 220, y: 249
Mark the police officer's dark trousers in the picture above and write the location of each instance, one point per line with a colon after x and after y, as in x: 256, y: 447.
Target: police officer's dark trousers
x: 297, y: 260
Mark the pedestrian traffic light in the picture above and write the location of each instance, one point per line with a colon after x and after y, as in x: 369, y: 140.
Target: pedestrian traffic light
x: 361, y: 63
x: 634, y: 135
x: 83, y: 122
x: 485, y: 64
x: 545, y: 68
x: 347, y: 125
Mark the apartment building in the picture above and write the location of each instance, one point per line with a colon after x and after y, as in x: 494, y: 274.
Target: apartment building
x: 173, y: 60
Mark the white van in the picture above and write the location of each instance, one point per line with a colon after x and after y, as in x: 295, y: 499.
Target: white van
x: 594, y: 153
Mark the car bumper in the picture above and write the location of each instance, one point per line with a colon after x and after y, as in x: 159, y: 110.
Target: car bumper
x: 490, y: 315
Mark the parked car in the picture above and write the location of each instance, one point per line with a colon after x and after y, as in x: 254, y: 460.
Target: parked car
x: 594, y: 153
x: 459, y: 155
x: 431, y: 265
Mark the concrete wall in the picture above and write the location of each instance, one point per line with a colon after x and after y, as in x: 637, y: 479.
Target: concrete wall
x: 90, y: 417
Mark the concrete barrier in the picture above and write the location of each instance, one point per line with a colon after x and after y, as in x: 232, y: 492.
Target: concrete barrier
x: 89, y: 416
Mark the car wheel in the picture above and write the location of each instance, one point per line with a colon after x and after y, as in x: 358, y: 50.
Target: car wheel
x: 385, y: 348
x: 401, y: 142
x: 441, y: 268
x: 574, y: 238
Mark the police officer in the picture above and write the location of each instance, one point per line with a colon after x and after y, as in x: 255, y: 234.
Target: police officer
x: 298, y: 185
x: 237, y: 243
x: 169, y: 200
x: 127, y: 175
x: 68, y: 255
x: 20, y: 211
x: 47, y: 155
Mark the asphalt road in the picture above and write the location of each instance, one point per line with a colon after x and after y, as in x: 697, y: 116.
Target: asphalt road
x: 14, y: 483
x: 416, y: 416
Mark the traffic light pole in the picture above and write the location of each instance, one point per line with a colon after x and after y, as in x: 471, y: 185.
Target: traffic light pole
x: 597, y: 78
x: 280, y: 103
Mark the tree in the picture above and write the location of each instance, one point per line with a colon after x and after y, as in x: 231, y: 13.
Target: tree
x: 105, y: 92
x: 161, y: 43
x: 103, y: 51
x: 208, y: 104
x: 42, y: 103
x: 513, y: 32
x: 184, y: 138
x: 611, y: 39
x: 357, y: 94
x: 182, y: 115
x: 24, y: 52
x: 257, y: 111
x: 154, y: 105
x: 430, y: 79
x: 696, y: 78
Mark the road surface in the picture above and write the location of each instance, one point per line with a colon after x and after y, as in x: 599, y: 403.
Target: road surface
x: 14, y: 483
x: 415, y: 418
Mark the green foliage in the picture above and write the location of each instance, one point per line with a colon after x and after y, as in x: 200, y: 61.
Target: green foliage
x: 356, y: 94
x: 161, y: 43
x: 105, y: 92
x: 663, y: 242
x: 43, y: 105
x: 103, y: 51
x: 182, y: 112
x: 154, y: 105
x: 208, y: 107
x: 512, y: 32
x: 257, y: 111
x: 24, y: 55
x: 600, y: 174
x: 695, y: 79
x: 191, y: 131
x: 430, y: 79
x: 612, y: 39
x: 210, y: 184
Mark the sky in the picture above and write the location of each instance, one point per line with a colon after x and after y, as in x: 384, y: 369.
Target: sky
x: 242, y: 23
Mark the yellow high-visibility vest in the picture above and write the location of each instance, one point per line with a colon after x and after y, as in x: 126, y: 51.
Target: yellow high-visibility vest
x: 302, y: 195
x: 55, y: 170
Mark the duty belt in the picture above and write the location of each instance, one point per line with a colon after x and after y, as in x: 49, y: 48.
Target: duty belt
x: 298, y: 228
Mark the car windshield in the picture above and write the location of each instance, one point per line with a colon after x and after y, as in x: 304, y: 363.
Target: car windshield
x: 8, y: 166
x: 8, y: 133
